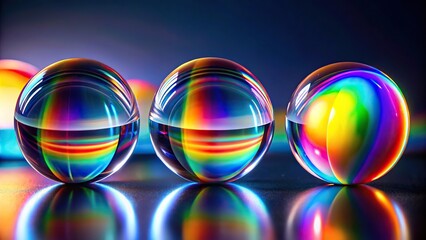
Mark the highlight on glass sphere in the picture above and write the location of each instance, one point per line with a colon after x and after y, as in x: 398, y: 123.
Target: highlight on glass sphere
x: 211, y: 120
x: 347, y: 123
x: 77, y: 121
x: 14, y: 75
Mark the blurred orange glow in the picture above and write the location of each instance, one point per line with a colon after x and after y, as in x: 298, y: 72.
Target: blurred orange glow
x: 13, y: 77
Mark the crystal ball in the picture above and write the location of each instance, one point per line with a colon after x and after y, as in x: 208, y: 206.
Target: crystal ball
x: 14, y: 75
x: 77, y: 121
x: 347, y: 123
x: 211, y: 120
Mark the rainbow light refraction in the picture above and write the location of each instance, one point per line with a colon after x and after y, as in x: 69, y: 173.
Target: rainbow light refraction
x: 14, y: 75
x: 77, y: 121
x: 211, y: 120
x: 347, y: 123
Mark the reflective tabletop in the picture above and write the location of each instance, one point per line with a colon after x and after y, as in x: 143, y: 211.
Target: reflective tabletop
x: 277, y: 200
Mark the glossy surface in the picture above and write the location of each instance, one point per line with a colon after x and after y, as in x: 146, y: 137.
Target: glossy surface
x: 14, y: 75
x: 347, y: 123
x: 211, y: 212
x: 87, y: 212
x: 211, y: 120
x: 346, y: 212
x: 272, y: 197
x: 77, y: 121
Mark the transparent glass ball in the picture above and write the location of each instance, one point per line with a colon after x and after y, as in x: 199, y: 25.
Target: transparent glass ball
x: 347, y: 123
x: 77, y: 121
x: 211, y: 120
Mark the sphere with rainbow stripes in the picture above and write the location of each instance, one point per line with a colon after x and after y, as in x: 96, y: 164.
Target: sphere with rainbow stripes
x: 211, y: 121
x: 77, y: 121
x: 347, y: 123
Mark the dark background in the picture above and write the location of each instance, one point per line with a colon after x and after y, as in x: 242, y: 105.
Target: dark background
x: 280, y: 42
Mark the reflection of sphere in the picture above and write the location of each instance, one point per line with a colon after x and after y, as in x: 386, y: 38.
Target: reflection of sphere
x: 77, y: 212
x: 211, y: 120
x: 77, y: 121
x: 13, y: 77
x: 347, y: 123
x: 356, y: 212
x: 211, y: 212
x: 144, y: 93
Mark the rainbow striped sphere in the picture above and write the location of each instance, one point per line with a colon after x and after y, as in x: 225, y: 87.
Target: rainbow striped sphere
x: 77, y: 121
x: 347, y: 123
x: 211, y: 121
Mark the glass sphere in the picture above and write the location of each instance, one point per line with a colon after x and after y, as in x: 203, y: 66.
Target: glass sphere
x: 14, y: 75
x: 347, y: 123
x: 211, y: 120
x: 77, y: 121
